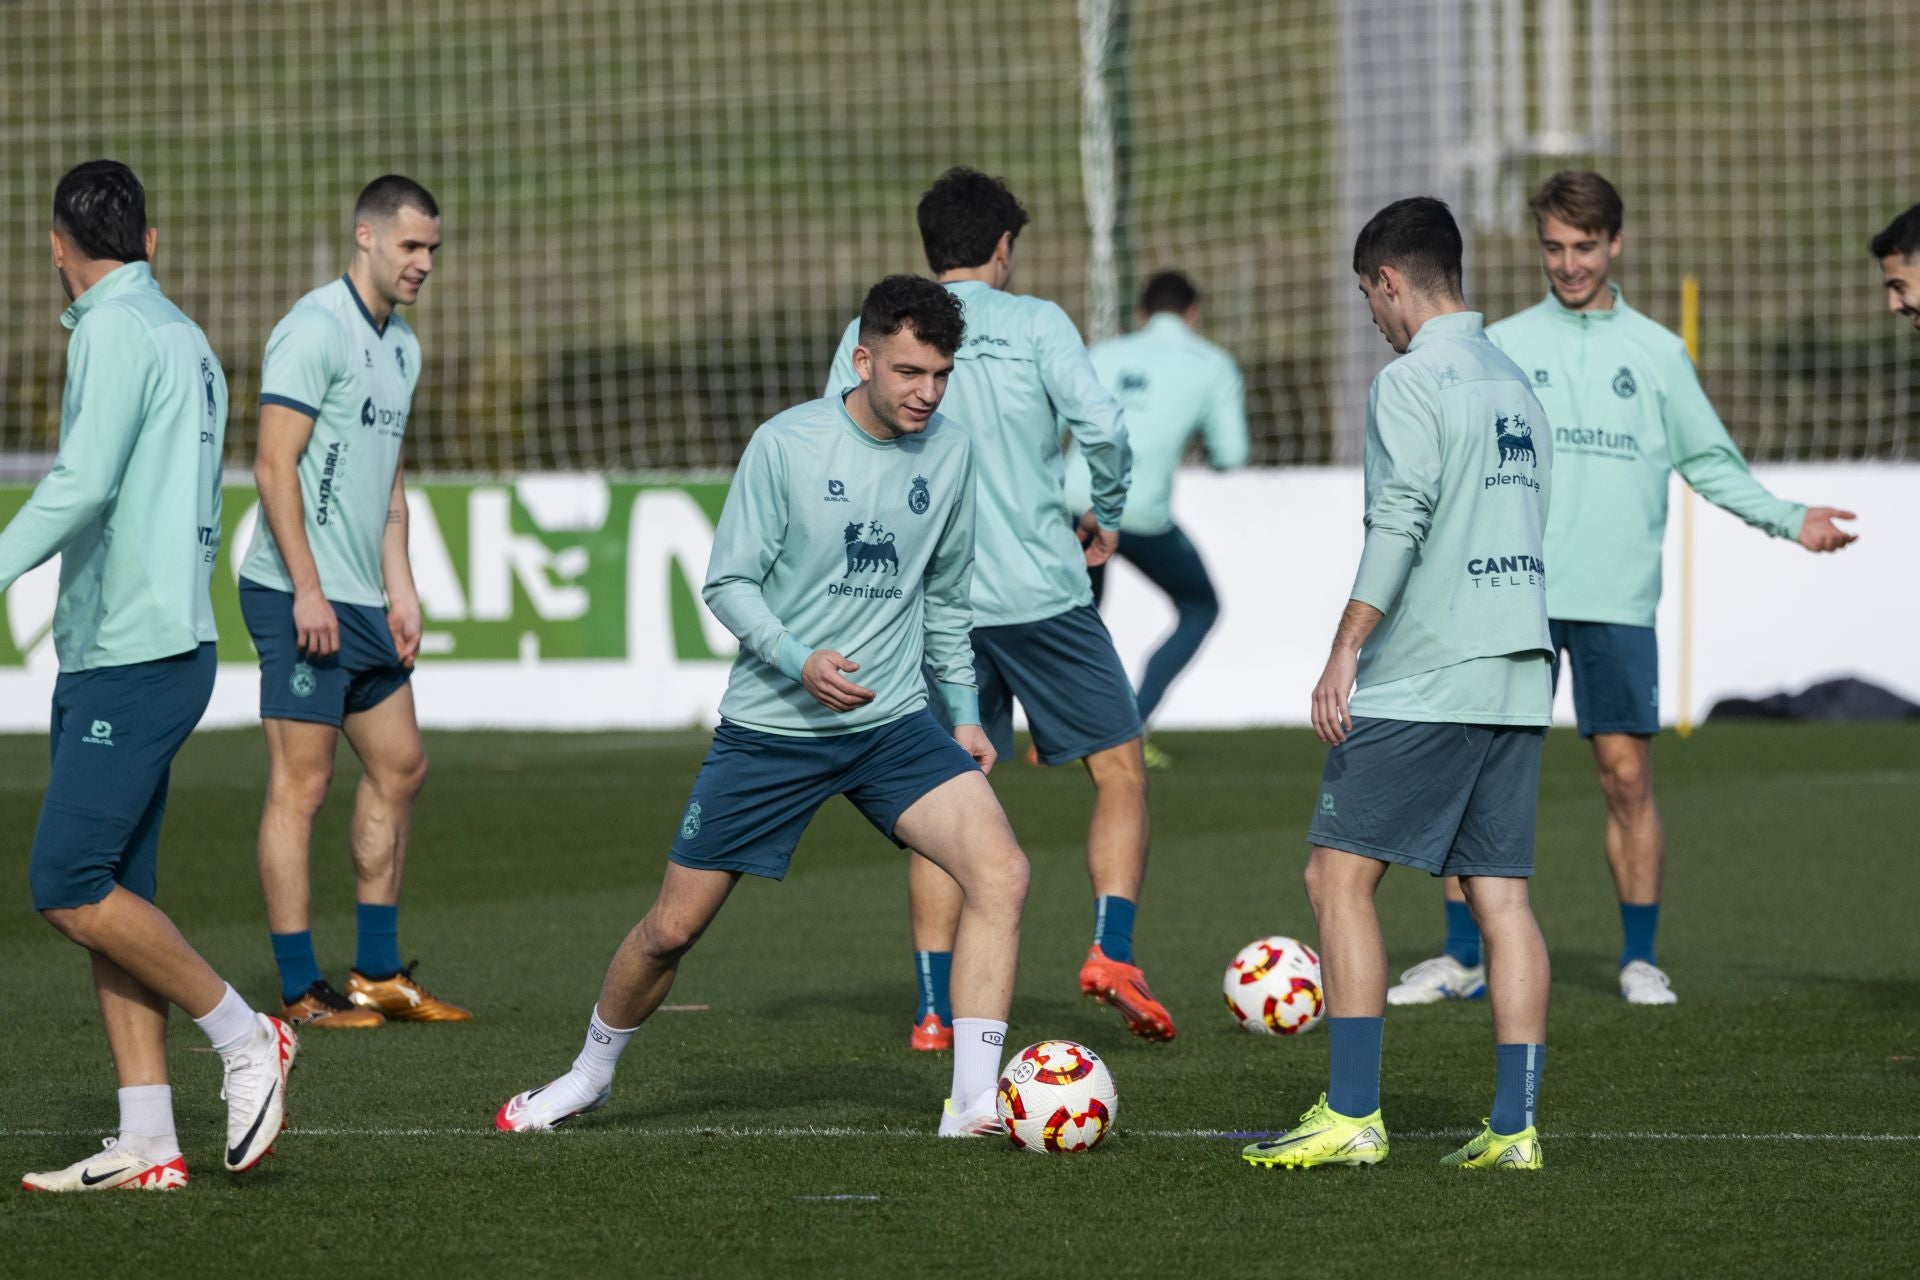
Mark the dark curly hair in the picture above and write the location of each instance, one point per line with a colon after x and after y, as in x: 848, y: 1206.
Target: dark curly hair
x: 963, y: 215
x: 900, y: 302
x: 102, y: 208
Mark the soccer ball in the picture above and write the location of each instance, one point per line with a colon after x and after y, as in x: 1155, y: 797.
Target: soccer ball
x: 1273, y: 987
x: 1057, y: 1097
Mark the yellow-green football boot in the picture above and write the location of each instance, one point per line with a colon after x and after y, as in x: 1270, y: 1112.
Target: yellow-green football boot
x: 1490, y: 1150
x: 1323, y: 1136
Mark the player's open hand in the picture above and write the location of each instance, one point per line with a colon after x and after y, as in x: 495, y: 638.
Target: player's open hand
x: 403, y: 621
x: 1818, y: 532
x: 824, y: 679
x: 974, y: 741
x: 316, y: 629
x: 1331, y: 718
x: 1101, y: 546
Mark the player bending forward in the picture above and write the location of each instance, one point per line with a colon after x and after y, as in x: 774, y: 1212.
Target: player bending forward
x: 1436, y: 760
x: 842, y: 561
x: 132, y: 507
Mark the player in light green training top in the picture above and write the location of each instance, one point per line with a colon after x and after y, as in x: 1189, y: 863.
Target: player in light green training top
x: 1444, y: 647
x: 1022, y: 373
x: 843, y: 562
x: 1627, y: 410
x: 328, y: 595
x: 132, y: 508
x: 1174, y: 386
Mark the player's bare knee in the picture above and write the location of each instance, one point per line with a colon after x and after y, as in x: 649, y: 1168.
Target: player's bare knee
x: 1120, y: 771
x: 403, y: 779
x: 666, y: 938
x: 75, y: 923
x: 302, y: 792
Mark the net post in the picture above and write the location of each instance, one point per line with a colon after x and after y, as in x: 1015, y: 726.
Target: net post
x: 1690, y: 334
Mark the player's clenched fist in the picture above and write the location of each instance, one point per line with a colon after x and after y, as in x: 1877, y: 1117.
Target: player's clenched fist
x: 822, y: 676
x: 1818, y: 532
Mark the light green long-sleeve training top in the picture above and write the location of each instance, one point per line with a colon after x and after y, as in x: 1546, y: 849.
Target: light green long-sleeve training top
x: 1173, y: 385
x: 132, y: 505
x: 831, y: 539
x: 1021, y: 372
x: 1627, y: 409
x: 1459, y: 468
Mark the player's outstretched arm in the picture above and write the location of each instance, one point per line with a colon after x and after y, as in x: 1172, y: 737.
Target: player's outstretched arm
x: 396, y: 572
x: 109, y: 360
x: 1818, y: 532
x: 1707, y: 458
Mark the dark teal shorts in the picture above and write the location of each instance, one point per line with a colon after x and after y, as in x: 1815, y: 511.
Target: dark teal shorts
x: 365, y: 673
x: 757, y: 791
x: 1450, y: 799
x: 1068, y: 677
x: 1616, y: 676
x: 115, y: 733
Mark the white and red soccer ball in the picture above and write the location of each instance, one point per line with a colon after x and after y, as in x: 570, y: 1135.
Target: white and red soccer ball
x: 1057, y: 1097
x: 1273, y: 987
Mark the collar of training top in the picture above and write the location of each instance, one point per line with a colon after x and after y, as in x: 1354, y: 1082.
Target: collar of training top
x: 1564, y: 312
x: 117, y: 281
x: 1454, y: 324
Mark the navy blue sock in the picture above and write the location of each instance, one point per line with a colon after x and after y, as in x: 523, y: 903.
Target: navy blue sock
x: 1463, y: 935
x: 1637, y: 926
x: 932, y: 969
x: 376, y: 953
x: 1113, y: 927
x: 1516, y: 1086
x: 293, y: 954
x: 1354, y: 1049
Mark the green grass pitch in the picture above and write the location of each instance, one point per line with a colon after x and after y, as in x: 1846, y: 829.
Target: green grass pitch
x: 1789, y: 930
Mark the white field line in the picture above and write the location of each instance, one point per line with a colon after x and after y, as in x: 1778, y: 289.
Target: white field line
x: 481, y: 1130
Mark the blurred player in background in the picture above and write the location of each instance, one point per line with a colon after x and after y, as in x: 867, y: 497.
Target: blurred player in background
x: 1022, y: 372
x: 1444, y: 647
x: 328, y: 595
x: 1173, y: 385
x: 842, y: 561
x: 1897, y: 249
x: 132, y: 507
x: 1628, y: 410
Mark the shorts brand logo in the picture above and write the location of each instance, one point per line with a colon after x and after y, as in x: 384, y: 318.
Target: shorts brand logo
x: 302, y: 682
x: 102, y: 734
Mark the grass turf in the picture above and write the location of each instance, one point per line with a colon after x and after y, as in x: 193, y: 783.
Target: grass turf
x: 1788, y: 929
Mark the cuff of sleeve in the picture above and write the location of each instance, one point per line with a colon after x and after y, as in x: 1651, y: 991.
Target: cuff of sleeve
x: 1792, y: 520
x: 793, y: 656
x: 1384, y: 566
x: 1108, y: 518
x: 288, y: 402
x: 963, y: 702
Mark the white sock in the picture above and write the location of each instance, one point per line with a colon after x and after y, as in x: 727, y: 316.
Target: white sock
x: 146, y: 1122
x: 231, y: 1025
x: 600, y: 1054
x: 977, y: 1045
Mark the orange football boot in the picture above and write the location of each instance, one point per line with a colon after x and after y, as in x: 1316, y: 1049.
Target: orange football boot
x: 1125, y: 988
x: 321, y: 1006
x: 930, y: 1035
x: 402, y: 999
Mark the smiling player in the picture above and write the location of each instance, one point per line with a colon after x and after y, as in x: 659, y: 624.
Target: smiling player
x: 1897, y: 249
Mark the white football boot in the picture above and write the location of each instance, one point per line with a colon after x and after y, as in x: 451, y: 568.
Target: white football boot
x: 255, y: 1089
x: 539, y: 1110
x: 980, y: 1120
x: 115, y: 1169
x: 1642, y: 983
x: 1441, y: 978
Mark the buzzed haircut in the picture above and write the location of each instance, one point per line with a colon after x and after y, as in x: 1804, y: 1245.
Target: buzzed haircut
x: 1902, y: 236
x: 900, y: 302
x: 1168, y: 291
x: 1419, y: 237
x: 1580, y: 198
x: 102, y: 208
x: 387, y: 195
x: 962, y: 217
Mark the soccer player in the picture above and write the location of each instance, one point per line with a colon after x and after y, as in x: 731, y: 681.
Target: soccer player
x: 1628, y: 410
x: 328, y: 596
x: 132, y: 507
x: 842, y: 561
x: 1173, y: 385
x: 1898, y: 251
x: 1037, y: 637
x: 1445, y: 649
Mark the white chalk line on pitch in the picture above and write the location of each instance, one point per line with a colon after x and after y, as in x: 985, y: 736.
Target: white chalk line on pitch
x: 841, y: 1131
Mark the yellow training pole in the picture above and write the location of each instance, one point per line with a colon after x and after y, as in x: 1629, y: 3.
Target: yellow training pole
x: 1690, y: 334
